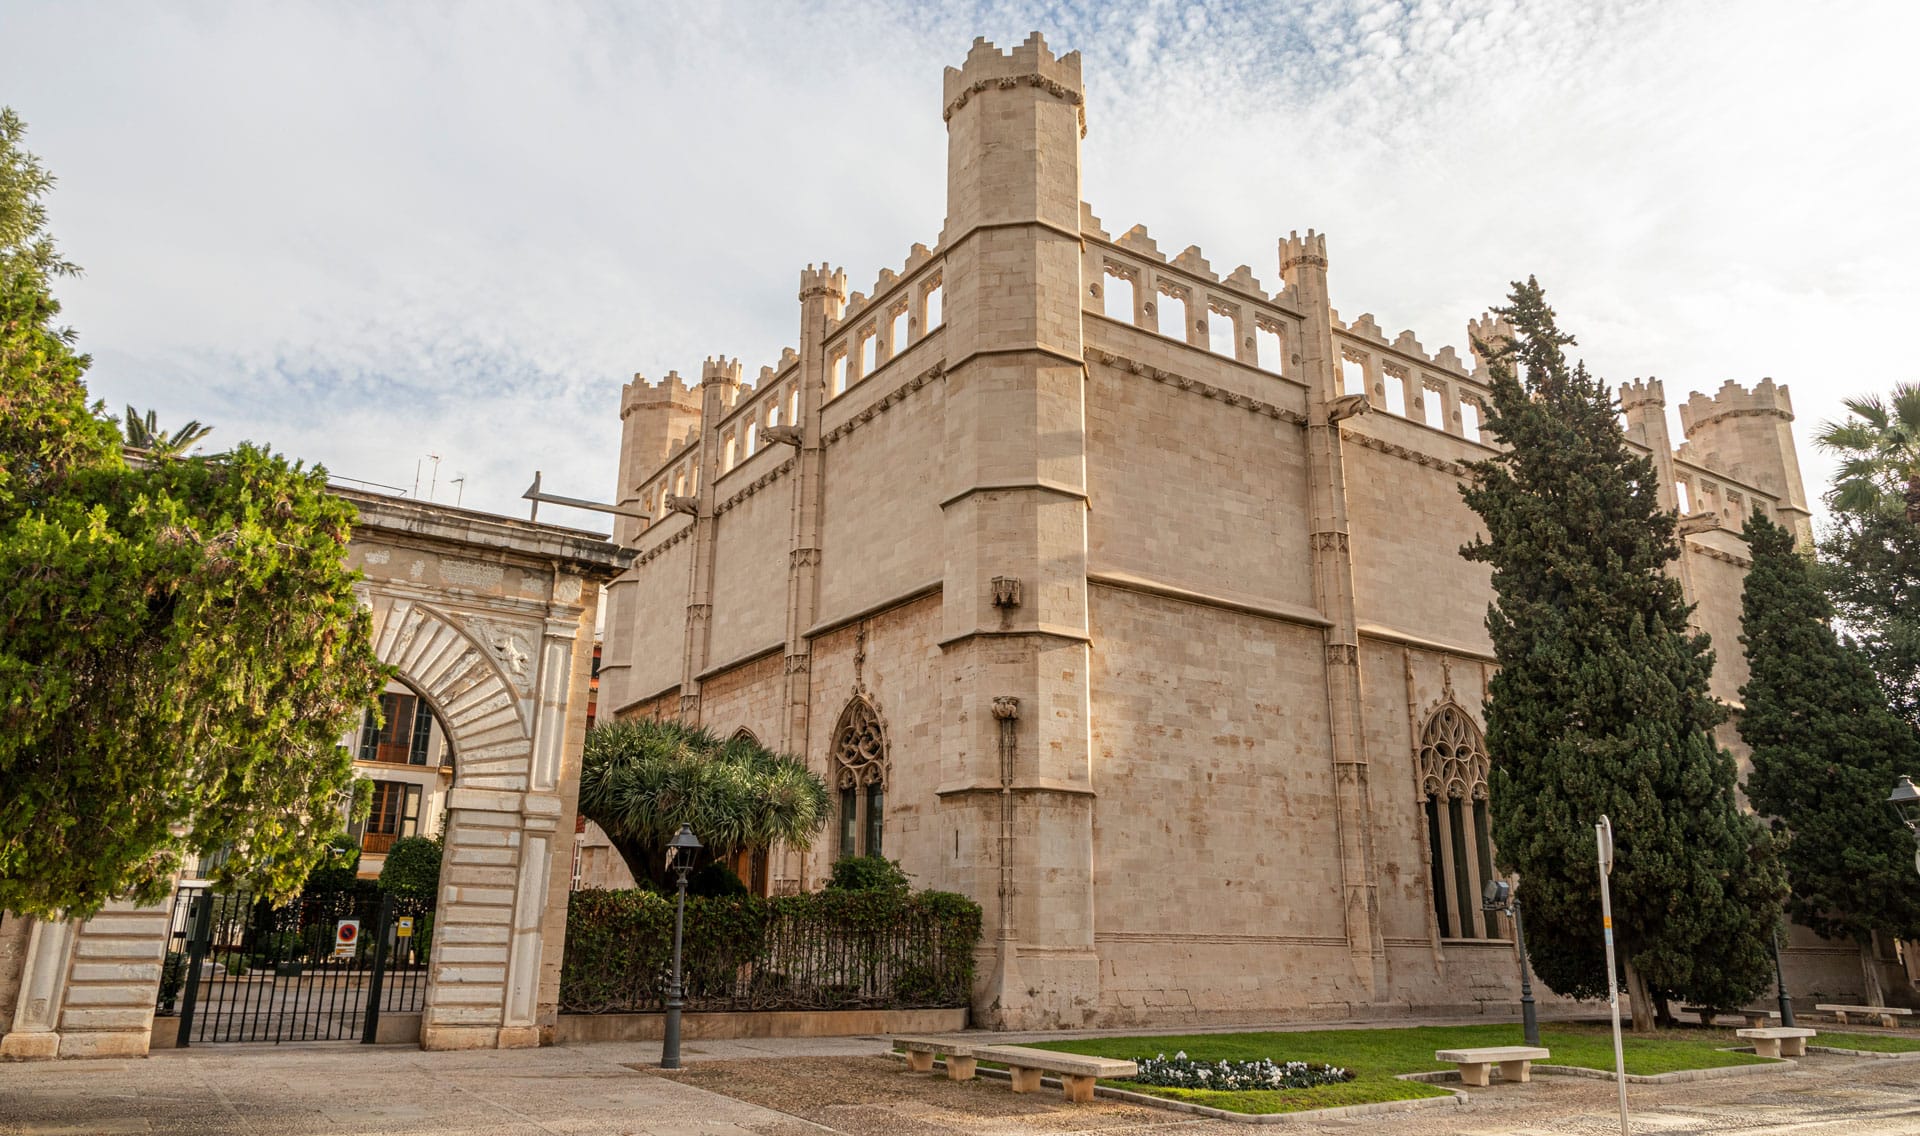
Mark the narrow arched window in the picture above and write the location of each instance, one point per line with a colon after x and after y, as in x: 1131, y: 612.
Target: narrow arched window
x: 1453, y: 779
x: 860, y: 775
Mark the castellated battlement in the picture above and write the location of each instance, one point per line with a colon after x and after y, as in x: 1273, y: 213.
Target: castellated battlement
x: 640, y: 393
x: 1030, y: 63
x: 1296, y: 249
x: 1642, y: 393
x: 822, y: 281
x: 720, y: 369
x: 1735, y: 401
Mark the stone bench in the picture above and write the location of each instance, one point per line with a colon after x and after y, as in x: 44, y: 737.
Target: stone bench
x: 1755, y: 1019
x: 1889, y: 1015
x: 1476, y: 1065
x: 922, y: 1050
x: 1077, y: 1073
x: 1778, y: 1041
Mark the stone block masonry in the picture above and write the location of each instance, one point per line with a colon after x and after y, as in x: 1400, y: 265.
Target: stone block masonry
x: 1123, y: 595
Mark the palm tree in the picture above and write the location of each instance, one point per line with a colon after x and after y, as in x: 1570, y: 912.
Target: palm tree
x: 641, y: 780
x: 144, y: 433
x: 1879, y: 448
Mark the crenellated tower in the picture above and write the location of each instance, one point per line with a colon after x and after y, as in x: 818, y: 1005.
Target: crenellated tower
x: 654, y: 419
x: 719, y: 389
x: 1644, y: 405
x: 1015, y: 749
x: 1748, y: 435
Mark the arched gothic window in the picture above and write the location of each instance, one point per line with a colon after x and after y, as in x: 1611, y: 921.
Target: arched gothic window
x: 1453, y: 779
x: 860, y: 774
x: 744, y: 735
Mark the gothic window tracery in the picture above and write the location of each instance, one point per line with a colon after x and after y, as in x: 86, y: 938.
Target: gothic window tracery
x: 1453, y: 780
x: 860, y: 771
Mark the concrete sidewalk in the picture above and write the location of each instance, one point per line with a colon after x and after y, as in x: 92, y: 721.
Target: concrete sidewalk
x: 825, y: 1085
x: 343, y: 1089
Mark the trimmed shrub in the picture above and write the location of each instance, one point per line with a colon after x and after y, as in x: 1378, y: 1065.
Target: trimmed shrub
x: 412, y: 869
x: 867, y: 873
x: 829, y: 950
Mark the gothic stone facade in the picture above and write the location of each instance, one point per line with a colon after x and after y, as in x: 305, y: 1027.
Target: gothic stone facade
x: 1122, y: 595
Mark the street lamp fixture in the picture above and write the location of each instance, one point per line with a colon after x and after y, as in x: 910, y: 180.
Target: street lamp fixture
x: 1905, y: 803
x: 1499, y: 897
x: 680, y: 853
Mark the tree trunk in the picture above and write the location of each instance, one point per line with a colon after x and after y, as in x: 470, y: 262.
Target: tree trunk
x: 646, y: 861
x: 1875, y: 994
x: 1913, y: 506
x: 1642, y: 1001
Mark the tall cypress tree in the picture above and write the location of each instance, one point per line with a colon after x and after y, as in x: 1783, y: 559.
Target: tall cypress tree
x: 1601, y: 703
x: 1826, y: 748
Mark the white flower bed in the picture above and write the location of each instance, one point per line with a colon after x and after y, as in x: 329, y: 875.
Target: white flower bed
x: 1182, y: 1072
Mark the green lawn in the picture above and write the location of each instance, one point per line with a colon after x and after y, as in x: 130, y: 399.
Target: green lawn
x: 1377, y: 1056
x: 1873, y: 1042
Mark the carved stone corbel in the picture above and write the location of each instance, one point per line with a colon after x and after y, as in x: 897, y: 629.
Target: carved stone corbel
x: 688, y: 505
x: 785, y: 435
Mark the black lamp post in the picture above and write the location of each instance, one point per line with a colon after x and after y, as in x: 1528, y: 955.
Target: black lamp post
x: 1905, y: 803
x: 1499, y: 896
x: 1780, y: 982
x: 680, y: 858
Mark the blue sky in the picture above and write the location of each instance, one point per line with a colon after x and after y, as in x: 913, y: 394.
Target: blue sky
x: 364, y: 233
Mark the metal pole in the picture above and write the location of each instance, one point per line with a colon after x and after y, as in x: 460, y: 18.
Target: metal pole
x: 1528, y: 1018
x: 370, y: 1024
x: 199, y: 939
x: 670, y: 1044
x: 1780, y: 982
x: 1603, y: 834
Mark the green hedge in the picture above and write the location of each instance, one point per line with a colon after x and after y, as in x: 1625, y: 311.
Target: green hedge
x: 830, y: 950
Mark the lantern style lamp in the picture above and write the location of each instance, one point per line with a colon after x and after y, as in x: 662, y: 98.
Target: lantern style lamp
x: 680, y: 853
x: 1499, y: 897
x: 1905, y: 803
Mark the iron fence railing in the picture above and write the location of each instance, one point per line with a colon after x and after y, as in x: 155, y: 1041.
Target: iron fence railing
x: 822, y: 951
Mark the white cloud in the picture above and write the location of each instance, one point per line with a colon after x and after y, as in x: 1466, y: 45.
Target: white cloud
x: 368, y: 232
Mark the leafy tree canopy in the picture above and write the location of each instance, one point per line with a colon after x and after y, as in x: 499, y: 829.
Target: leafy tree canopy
x: 143, y: 432
x: 1601, y: 705
x: 1870, y: 567
x: 1825, y: 751
x: 641, y: 780
x: 180, y: 648
x: 1878, y: 444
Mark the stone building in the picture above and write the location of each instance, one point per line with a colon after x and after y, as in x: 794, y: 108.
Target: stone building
x: 1124, y: 595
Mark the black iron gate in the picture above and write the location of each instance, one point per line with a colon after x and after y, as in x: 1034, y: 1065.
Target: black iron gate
x: 322, y: 968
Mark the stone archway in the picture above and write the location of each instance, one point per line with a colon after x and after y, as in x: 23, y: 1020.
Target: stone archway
x: 490, y: 620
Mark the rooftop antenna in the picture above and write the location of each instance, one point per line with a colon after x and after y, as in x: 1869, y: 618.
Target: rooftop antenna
x: 434, y: 482
x: 461, y: 481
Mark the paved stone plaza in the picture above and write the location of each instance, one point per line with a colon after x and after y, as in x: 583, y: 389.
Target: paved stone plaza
x: 785, y: 1088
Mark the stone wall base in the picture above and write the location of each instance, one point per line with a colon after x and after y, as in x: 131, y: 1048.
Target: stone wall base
x: 459, y: 1037
x: 577, y: 1028
x: 119, y: 1043
x: 41, y: 1046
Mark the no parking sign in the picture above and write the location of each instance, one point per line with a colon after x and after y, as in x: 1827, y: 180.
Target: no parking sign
x: 345, y: 934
